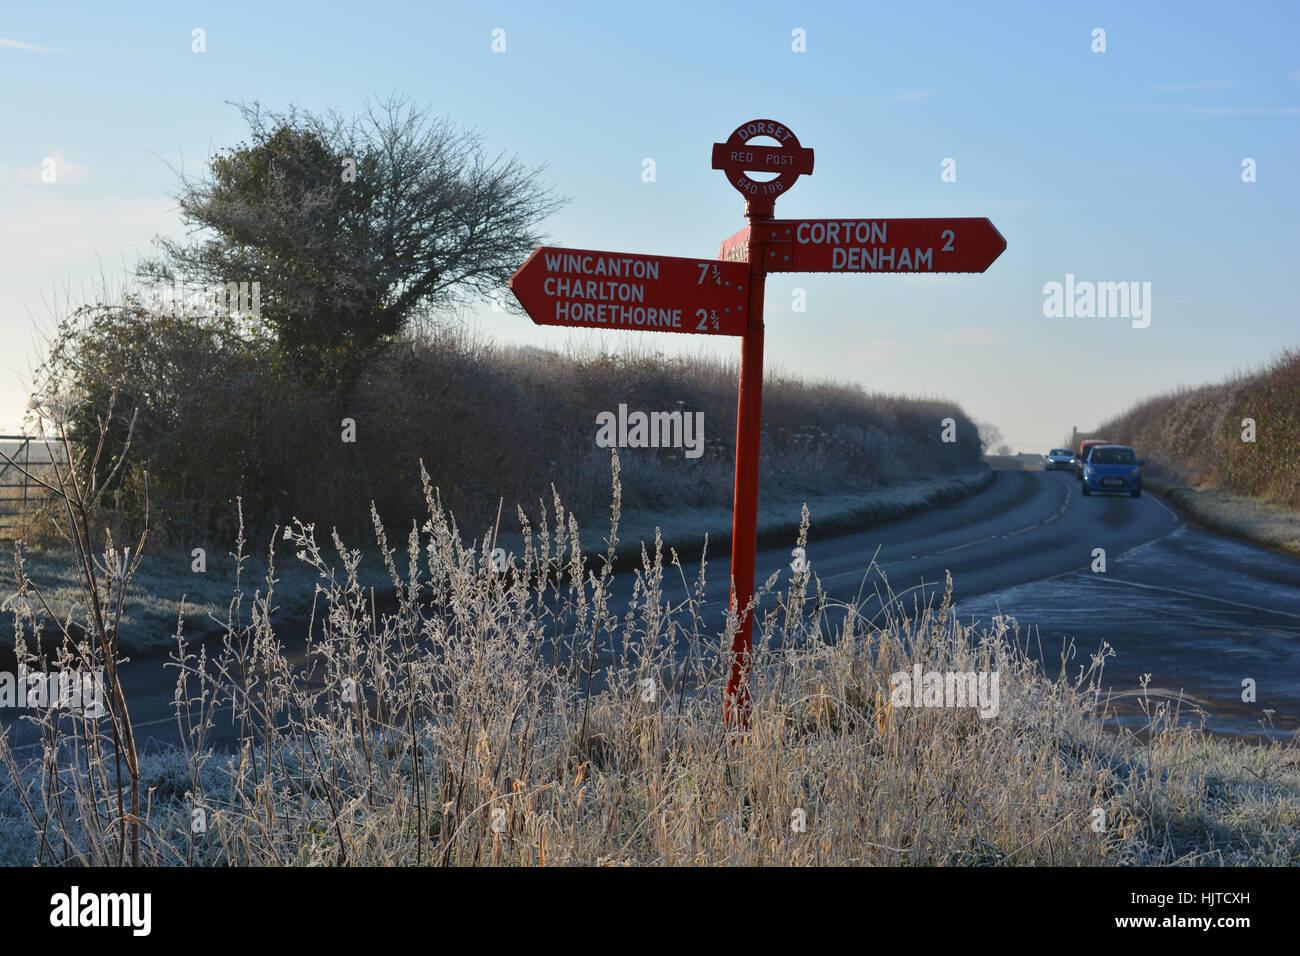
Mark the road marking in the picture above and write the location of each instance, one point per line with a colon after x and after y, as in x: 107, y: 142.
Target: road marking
x: 970, y: 544
x: 1146, y: 544
x: 152, y: 723
x: 1172, y: 513
x: 134, y: 727
x: 960, y: 547
x: 1066, y: 574
x: 1160, y: 692
x: 1203, y: 597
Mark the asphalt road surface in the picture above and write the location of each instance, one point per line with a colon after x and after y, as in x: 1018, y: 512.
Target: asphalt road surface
x: 1197, y: 611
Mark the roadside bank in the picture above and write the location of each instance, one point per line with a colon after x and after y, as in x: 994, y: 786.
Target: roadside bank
x: 1250, y: 519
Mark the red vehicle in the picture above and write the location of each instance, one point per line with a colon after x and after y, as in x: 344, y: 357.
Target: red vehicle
x: 1082, y: 453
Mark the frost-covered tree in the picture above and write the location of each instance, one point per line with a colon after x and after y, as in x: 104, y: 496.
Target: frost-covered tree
x: 354, y: 227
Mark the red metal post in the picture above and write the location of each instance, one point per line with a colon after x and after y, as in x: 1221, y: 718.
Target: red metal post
x: 744, y: 519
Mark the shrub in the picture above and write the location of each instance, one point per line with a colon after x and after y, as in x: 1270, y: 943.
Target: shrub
x: 218, y: 419
x: 1196, y: 434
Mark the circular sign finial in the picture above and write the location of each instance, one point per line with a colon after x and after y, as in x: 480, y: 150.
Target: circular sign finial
x: 736, y: 157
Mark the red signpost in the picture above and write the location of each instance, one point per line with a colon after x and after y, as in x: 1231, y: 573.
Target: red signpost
x: 586, y: 289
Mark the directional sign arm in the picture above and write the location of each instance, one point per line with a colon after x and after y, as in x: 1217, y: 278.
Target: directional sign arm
x: 881, y: 245
x: 585, y: 288
x: 735, y: 248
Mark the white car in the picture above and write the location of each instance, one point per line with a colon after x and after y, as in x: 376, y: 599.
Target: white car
x: 1058, y: 459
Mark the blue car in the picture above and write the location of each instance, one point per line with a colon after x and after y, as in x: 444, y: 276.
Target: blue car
x: 1112, y: 468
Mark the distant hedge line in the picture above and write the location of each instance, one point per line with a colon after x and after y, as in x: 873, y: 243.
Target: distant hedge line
x: 217, y: 419
x: 1197, y: 434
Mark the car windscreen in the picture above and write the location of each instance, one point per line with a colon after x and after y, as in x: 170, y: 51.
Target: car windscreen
x: 1059, y: 451
x: 1112, y: 456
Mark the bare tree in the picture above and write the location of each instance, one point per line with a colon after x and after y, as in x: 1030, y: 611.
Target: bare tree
x: 990, y: 436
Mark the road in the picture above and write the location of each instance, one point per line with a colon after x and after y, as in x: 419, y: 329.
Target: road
x: 1197, y: 611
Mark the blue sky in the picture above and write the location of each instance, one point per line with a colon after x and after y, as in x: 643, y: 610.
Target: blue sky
x: 1115, y: 166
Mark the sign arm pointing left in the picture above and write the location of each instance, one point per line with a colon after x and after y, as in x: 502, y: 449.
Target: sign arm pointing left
x: 590, y: 289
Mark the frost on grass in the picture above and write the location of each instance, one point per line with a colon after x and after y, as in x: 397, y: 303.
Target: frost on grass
x: 510, y: 716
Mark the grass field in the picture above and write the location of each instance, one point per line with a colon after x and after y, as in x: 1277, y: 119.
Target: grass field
x: 449, y: 731
x: 166, y: 586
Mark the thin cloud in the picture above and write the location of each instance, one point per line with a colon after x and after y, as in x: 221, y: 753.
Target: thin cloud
x: 49, y: 233
x: 1203, y: 86
x: 1217, y: 111
x: 903, y: 97
x: 928, y: 278
x: 872, y: 350
x: 964, y: 337
x: 1234, y: 302
x: 1025, y: 205
x: 29, y: 47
